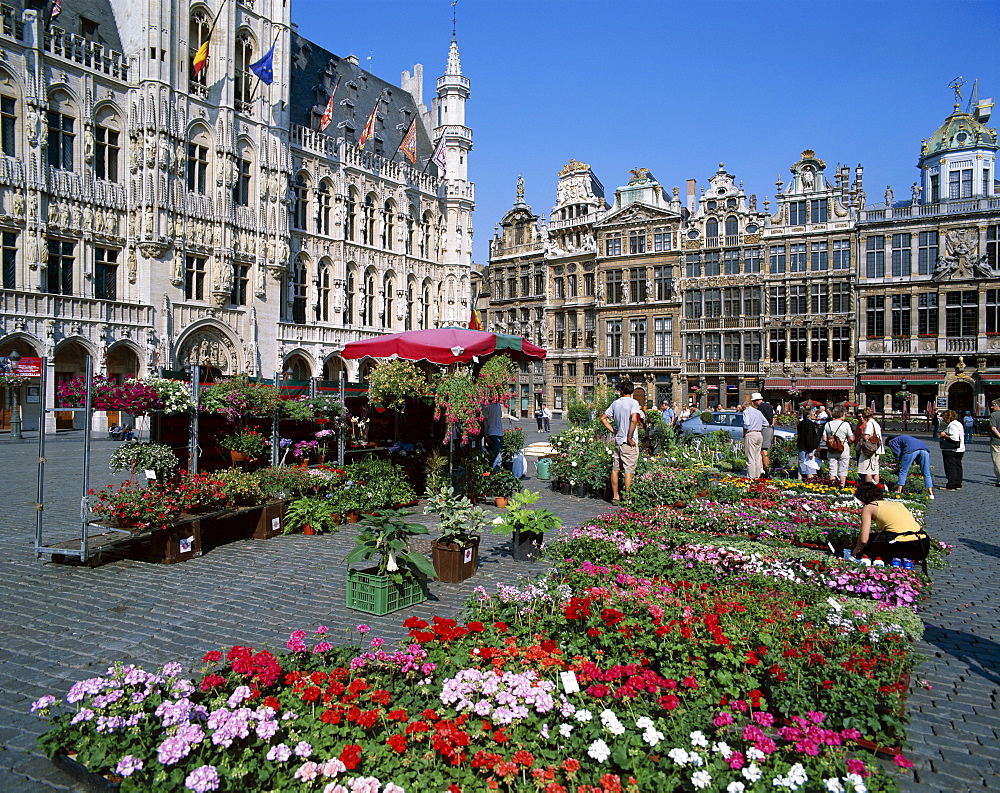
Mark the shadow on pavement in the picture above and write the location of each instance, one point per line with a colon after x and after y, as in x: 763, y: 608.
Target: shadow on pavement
x: 979, y: 653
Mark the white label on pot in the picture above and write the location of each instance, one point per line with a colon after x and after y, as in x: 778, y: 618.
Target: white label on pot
x: 150, y: 473
x: 832, y: 549
x: 275, y: 524
x: 468, y: 555
x: 187, y: 543
x: 569, y: 681
x: 834, y: 603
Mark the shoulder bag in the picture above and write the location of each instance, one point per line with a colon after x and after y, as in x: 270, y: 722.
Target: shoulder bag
x: 833, y: 441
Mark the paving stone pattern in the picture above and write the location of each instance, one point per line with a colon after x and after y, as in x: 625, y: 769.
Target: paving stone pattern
x: 62, y: 622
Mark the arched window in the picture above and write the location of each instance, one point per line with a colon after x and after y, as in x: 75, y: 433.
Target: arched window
x: 411, y: 230
x: 388, y: 224
x: 425, y: 236
x: 61, y: 131
x: 425, y: 318
x: 107, y: 129
x: 9, y: 110
x: 712, y: 228
x: 197, y: 162
x: 368, y: 310
x: 350, y: 296
x: 298, y: 296
x: 388, y: 300
x: 323, y: 301
x: 300, y: 212
x: 198, y: 30
x: 243, y: 87
x: 368, y: 224
x: 732, y: 227
x: 411, y: 289
x: 241, y: 188
x: 323, y: 198
x: 351, y: 214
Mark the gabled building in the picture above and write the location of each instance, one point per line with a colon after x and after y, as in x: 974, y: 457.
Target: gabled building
x: 157, y: 215
x: 929, y: 276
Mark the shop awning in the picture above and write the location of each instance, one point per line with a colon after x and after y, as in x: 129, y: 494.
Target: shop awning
x: 911, y: 379
x: 829, y: 383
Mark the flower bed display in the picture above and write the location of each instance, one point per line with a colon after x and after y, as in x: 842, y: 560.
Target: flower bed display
x: 660, y: 653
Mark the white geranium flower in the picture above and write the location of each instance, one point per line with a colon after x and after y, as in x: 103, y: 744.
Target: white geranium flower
x: 565, y: 730
x: 722, y: 748
x: 752, y: 772
x: 755, y: 754
x: 652, y: 736
x: 701, y: 779
x: 644, y: 723
x: 858, y: 782
x: 735, y: 787
x: 698, y: 739
x: 583, y: 715
x: 678, y: 755
x: 599, y: 751
x: 834, y: 785
x: 797, y: 774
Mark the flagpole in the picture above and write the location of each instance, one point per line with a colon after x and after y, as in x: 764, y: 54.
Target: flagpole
x: 253, y: 93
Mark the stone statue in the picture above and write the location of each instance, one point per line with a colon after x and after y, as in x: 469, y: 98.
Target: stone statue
x: 808, y: 179
x: 888, y: 196
x: 915, y: 192
x: 53, y: 214
x: 625, y: 294
x: 520, y: 189
x: 133, y: 265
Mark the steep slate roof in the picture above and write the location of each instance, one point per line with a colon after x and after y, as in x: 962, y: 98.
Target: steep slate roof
x: 314, y: 72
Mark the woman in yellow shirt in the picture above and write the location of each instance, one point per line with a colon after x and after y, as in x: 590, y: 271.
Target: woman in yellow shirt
x: 897, y: 533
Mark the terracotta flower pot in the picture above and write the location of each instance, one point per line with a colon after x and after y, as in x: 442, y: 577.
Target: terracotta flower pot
x: 353, y: 516
x: 500, y: 501
x: 308, y: 529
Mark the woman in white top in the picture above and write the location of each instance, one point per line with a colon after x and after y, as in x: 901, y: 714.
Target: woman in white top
x: 869, y: 429
x: 953, y: 433
x: 839, y: 431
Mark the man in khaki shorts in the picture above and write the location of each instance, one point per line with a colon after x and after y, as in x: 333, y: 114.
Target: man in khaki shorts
x: 625, y: 412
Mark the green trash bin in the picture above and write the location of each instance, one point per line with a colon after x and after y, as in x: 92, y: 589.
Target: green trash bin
x: 542, y: 465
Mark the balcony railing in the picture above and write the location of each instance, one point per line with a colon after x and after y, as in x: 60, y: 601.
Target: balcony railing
x: 640, y: 362
x: 734, y: 323
x: 581, y: 220
x: 85, y: 52
x: 44, y: 306
x: 962, y: 344
x: 927, y: 210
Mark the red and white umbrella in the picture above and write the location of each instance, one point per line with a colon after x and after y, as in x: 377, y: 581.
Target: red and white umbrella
x: 444, y: 346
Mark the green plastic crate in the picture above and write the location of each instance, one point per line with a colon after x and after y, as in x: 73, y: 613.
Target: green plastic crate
x: 378, y: 594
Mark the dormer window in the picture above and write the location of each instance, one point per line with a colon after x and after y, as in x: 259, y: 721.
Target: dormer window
x: 961, y: 137
x: 711, y: 206
x: 731, y: 203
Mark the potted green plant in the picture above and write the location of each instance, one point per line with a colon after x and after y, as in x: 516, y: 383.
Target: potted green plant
x: 455, y: 552
x: 502, y: 485
x: 135, y: 456
x: 244, y: 445
x: 399, y: 579
x: 392, y: 382
x: 242, y: 488
x: 513, y: 442
x: 525, y: 525
x: 311, y: 515
x: 238, y: 397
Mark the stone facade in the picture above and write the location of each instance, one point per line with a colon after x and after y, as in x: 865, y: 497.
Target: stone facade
x: 826, y: 297
x: 153, y: 218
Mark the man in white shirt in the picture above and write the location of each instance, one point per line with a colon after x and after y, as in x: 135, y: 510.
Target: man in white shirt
x: 625, y: 412
x: 753, y: 439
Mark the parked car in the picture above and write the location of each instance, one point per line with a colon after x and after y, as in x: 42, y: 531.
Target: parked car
x: 728, y: 421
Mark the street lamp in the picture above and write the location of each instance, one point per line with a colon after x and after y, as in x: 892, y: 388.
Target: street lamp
x: 902, y: 402
x: 15, y: 411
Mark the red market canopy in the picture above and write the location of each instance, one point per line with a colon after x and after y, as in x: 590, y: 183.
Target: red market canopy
x: 443, y: 346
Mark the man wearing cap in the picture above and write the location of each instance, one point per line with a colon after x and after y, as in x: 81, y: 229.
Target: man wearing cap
x: 753, y: 427
x: 766, y: 434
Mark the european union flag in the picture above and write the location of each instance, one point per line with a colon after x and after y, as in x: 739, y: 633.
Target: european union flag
x: 264, y: 68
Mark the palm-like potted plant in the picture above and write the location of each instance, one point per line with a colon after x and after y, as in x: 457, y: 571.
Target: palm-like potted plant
x: 456, y: 551
x: 311, y: 515
x: 399, y: 579
x: 526, y: 525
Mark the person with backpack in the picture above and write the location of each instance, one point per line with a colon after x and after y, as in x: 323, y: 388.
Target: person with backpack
x: 837, y: 437
x: 870, y: 448
x: 622, y: 418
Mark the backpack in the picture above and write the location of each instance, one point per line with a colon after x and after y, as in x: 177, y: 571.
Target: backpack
x: 834, y: 444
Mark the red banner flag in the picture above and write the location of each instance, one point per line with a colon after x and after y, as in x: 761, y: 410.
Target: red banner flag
x: 369, y: 129
x: 409, y: 144
x: 327, y: 116
x: 474, y: 323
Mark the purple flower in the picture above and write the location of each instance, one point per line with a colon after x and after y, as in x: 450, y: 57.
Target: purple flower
x: 172, y: 750
x: 128, y: 765
x: 279, y: 753
x: 303, y: 749
x: 44, y: 703
x: 202, y: 779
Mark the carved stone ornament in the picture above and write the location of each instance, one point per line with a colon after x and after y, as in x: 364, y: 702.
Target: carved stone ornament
x: 154, y: 248
x: 209, y: 347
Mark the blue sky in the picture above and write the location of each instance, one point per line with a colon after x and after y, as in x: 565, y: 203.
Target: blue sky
x: 678, y: 87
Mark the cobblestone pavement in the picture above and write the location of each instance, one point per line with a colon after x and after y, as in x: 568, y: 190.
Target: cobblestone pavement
x: 61, y: 623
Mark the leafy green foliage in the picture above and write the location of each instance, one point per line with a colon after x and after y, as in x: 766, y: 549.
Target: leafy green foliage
x: 387, y: 535
x: 519, y: 516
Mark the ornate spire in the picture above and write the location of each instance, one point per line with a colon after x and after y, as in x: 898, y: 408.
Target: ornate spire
x: 454, y: 64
